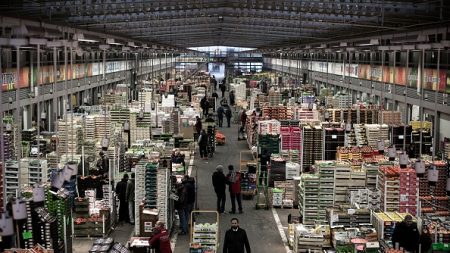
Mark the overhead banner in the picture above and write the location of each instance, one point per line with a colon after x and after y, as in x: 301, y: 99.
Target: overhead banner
x: 9, y: 78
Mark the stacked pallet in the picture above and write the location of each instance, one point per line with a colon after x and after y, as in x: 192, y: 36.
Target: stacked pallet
x: 70, y: 137
x: 366, y: 198
x: 291, y: 136
x: 29, y: 134
x: 312, y: 146
x: 400, y: 134
x: 164, y: 186
x: 307, y: 239
x: 269, y: 127
x: 89, y: 127
x: 102, y: 126
x: 426, y: 141
x: 277, y: 112
x: 306, y: 115
x: 342, y: 181
x: 390, y: 117
x: 120, y: 115
x: 151, y: 183
x: 140, y: 128
x: 368, y: 116
x: 175, y: 121
x: 326, y: 171
x: 308, y: 196
x: 399, y: 189
x: 275, y: 98
x: 360, y: 135
x: 433, y: 196
x: 288, y: 192
x: 375, y: 132
x: 2, y: 184
x: 447, y: 150
x: 291, y: 156
x: 8, y: 146
x: 371, y: 174
x: 347, y: 217
x: 333, y: 138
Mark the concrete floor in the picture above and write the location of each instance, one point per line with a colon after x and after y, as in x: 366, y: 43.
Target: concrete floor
x: 260, y: 224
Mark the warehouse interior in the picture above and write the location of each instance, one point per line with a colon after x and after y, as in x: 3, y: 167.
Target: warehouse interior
x: 127, y: 78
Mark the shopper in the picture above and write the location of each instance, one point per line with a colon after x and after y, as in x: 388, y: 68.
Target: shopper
x: 220, y: 184
x: 220, y: 113
x: 232, y: 97
x: 425, y: 241
x: 228, y: 114
x: 189, y: 185
x: 202, y: 144
x: 198, y: 125
x: 160, y: 240
x: 234, y: 181
x: 180, y: 205
x: 406, y: 235
x: 243, y: 118
x: 130, y: 198
x: 121, y: 190
x: 204, y: 104
x: 236, y: 240
x: 223, y: 88
x: 216, y: 100
x: 214, y: 82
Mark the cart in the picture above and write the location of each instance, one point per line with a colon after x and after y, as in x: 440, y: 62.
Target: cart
x: 248, y: 170
x: 204, y: 236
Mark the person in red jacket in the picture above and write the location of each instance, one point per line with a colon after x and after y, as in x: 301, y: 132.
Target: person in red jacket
x: 234, y: 182
x: 161, y: 239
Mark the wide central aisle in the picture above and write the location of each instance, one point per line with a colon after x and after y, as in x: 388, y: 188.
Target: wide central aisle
x: 260, y: 224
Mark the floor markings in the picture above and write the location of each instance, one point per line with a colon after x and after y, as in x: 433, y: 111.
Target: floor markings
x: 281, y: 230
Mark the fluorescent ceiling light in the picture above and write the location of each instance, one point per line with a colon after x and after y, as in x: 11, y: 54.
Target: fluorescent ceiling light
x: 80, y: 37
x: 112, y: 42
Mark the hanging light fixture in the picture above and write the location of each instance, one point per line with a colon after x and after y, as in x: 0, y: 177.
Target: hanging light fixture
x: 392, y: 153
x: 419, y: 166
x: 380, y: 146
x: 433, y: 175
x: 19, y: 208
x: 403, y: 160
x: 38, y: 193
x: 6, y: 225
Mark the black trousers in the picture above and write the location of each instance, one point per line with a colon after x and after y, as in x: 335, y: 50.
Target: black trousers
x: 235, y: 196
x: 221, y: 199
x: 220, y: 121
x: 229, y: 121
x: 203, y: 152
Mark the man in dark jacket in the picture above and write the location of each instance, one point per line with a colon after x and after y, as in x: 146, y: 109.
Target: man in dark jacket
x: 228, y: 114
x: 180, y: 205
x: 219, y: 182
x: 121, y: 191
x: 189, y: 185
x: 223, y: 88
x: 204, y: 104
x: 220, y: 113
x: 236, y: 240
x: 406, y: 234
x: 130, y: 198
x: 202, y: 144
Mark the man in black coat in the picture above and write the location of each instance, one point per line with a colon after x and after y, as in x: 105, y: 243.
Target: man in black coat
x: 219, y: 182
x: 236, y: 239
x: 406, y: 234
x: 121, y: 191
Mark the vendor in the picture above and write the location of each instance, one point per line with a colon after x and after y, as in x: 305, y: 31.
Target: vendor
x: 160, y: 239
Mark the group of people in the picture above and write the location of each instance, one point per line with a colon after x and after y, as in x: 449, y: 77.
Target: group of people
x: 185, y: 203
x: 233, y: 180
x: 125, y: 192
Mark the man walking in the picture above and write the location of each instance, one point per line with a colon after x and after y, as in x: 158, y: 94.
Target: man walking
x: 236, y: 240
x: 220, y: 113
x: 130, y: 198
x: 228, y: 114
x: 121, y: 191
x: 219, y: 182
x: 234, y: 181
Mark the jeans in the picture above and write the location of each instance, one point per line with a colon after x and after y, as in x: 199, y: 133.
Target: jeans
x: 131, y: 211
x: 235, y: 196
x: 221, y: 199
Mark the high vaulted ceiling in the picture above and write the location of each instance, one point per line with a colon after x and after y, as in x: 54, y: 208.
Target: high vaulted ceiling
x: 241, y: 23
